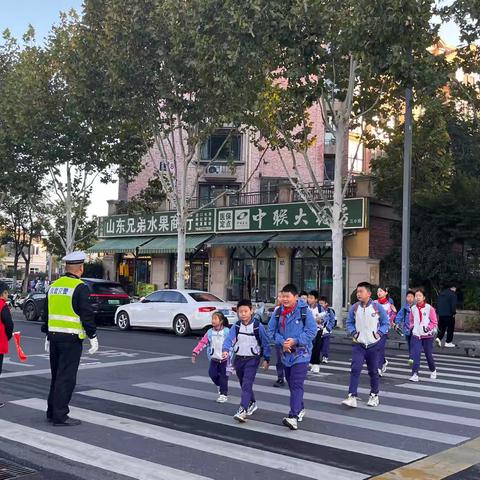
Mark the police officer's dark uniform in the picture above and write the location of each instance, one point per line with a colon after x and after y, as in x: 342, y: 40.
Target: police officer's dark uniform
x: 68, y: 319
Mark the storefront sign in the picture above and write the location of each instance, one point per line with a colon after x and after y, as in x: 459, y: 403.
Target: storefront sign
x: 261, y: 218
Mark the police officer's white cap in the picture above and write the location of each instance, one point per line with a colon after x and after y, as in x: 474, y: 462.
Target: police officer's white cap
x: 75, y: 258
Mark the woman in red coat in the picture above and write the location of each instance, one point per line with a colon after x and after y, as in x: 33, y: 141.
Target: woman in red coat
x: 6, y: 324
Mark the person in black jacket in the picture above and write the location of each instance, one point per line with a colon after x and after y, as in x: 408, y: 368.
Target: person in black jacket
x: 446, y: 309
x: 6, y: 325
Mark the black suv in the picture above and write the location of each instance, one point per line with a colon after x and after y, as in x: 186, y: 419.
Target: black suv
x: 105, y: 297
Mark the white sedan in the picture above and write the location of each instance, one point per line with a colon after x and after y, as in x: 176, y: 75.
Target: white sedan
x: 179, y: 310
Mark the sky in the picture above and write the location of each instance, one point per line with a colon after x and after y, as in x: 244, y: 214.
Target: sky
x: 16, y: 15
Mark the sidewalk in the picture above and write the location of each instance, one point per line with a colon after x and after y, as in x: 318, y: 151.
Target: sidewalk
x: 462, y: 340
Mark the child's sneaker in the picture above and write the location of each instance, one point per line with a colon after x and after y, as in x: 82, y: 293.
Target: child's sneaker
x: 252, y: 408
x: 279, y: 383
x: 222, y: 399
x: 350, y: 401
x: 380, y: 372
x: 373, y: 400
x: 290, y: 422
x: 241, y: 415
x: 384, y: 366
x: 438, y: 342
x: 325, y: 360
x: 315, y: 368
x: 301, y: 415
x: 449, y: 345
x: 433, y: 375
x: 414, y: 378
x: 410, y: 362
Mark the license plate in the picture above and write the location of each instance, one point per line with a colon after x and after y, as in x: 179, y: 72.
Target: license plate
x: 114, y: 302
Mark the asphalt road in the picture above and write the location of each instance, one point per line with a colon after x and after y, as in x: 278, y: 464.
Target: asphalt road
x: 148, y: 413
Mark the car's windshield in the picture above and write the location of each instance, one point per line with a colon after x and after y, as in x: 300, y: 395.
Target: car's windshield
x: 204, y: 297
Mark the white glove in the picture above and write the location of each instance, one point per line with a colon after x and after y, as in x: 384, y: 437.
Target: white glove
x: 47, y: 345
x: 93, y: 345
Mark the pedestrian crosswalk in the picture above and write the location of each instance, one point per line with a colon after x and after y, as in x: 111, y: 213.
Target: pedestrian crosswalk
x: 174, y: 429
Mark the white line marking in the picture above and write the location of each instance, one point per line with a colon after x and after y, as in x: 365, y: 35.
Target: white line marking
x: 256, y: 426
x: 389, y: 409
x: 204, y: 444
x: 92, y: 455
x: 431, y: 388
x: 101, y: 365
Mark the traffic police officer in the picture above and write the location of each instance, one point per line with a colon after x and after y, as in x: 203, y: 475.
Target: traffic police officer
x: 67, y: 320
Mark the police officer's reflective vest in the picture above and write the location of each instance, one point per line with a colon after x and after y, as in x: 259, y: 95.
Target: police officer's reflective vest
x: 61, y: 315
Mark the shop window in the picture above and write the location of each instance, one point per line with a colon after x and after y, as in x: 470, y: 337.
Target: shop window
x: 252, y: 275
x: 208, y: 192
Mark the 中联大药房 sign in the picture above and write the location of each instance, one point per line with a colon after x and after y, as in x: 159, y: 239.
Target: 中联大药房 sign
x: 258, y: 218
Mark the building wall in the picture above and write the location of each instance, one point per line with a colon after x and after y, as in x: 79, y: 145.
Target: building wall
x: 218, y: 271
x: 160, y: 270
x: 381, y: 242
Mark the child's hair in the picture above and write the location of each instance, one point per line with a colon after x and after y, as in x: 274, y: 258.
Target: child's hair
x: 223, y: 319
x: 290, y: 288
x: 314, y: 293
x: 323, y: 298
x: 245, y: 303
x: 366, y: 285
x: 410, y: 292
x: 302, y: 293
x: 3, y: 287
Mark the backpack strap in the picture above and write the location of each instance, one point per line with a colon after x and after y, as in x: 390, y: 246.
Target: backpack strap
x: 256, y: 330
x: 303, y: 314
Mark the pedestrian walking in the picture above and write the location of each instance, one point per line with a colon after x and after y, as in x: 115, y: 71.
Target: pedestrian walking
x: 280, y: 382
x: 367, y: 323
x: 446, y: 309
x: 249, y: 342
x: 402, y: 322
x: 325, y: 320
x: 6, y: 325
x: 423, y: 322
x: 385, y: 301
x: 294, y: 329
x: 67, y: 320
x: 213, y: 340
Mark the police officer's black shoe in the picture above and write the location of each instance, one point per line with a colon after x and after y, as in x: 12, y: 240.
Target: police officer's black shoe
x: 69, y: 422
x: 279, y: 383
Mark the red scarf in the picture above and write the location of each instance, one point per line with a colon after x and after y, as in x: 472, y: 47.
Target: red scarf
x: 285, y: 312
x: 383, y: 301
x: 421, y: 305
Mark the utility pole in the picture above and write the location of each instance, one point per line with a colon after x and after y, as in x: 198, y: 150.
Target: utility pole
x: 407, y: 192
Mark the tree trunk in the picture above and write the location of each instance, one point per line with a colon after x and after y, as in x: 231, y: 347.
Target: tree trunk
x: 337, y: 220
x: 181, y: 241
x: 69, y: 240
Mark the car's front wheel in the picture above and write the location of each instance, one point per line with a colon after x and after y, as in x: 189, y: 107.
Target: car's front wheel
x: 123, y: 321
x: 30, y: 312
x: 181, y: 326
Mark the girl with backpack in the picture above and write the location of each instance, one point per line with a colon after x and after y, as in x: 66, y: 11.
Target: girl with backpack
x: 385, y: 301
x: 423, y: 323
x: 213, y: 340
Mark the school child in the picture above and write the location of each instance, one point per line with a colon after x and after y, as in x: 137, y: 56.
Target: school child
x: 293, y: 328
x: 325, y: 319
x: 6, y: 325
x: 402, y: 321
x: 384, y: 300
x: 213, y: 340
x: 303, y: 295
x: 249, y: 342
x: 278, y: 351
x: 423, y: 322
x: 367, y: 323
x: 329, y: 323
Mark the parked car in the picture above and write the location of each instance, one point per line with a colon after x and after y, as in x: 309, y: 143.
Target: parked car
x: 179, y: 310
x: 105, y: 297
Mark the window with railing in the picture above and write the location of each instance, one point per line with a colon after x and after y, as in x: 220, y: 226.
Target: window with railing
x: 224, y: 145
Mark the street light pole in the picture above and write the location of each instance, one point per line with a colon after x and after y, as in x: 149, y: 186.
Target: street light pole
x: 407, y: 192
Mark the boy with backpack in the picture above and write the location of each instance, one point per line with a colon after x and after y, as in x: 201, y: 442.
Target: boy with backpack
x: 293, y: 328
x: 366, y: 324
x: 248, y: 341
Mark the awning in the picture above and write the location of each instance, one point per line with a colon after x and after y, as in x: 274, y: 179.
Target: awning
x: 317, y: 239
x: 241, y: 240
x: 119, y: 245
x: 169, y: 244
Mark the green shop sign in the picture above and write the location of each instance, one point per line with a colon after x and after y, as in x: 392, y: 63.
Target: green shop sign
x: 258, y: 218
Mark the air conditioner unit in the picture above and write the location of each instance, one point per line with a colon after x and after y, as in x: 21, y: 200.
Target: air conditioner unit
x: 214, y: 169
